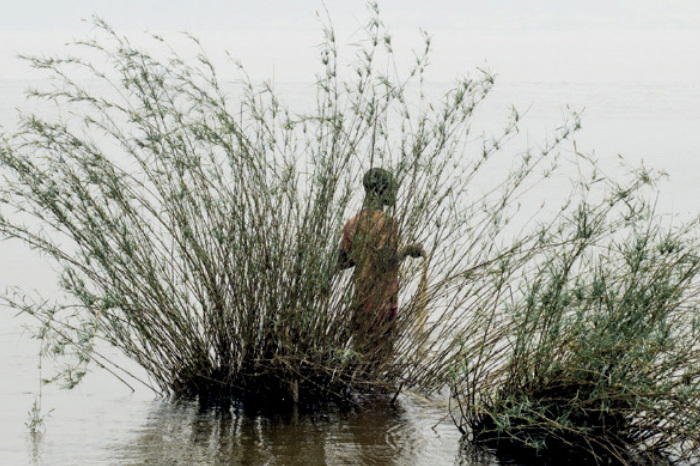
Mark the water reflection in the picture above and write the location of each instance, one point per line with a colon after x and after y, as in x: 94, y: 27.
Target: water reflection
x: 184, y: 434
x: 34, y: 445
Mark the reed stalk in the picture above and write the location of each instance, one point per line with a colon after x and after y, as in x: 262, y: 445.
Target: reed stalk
x: 595, y: 354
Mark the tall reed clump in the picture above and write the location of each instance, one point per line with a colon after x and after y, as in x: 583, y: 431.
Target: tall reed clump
x: 597, y: 350
x: 196, y: 224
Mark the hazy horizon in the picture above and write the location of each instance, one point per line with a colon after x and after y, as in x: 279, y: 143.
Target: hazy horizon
x: 592, y: 41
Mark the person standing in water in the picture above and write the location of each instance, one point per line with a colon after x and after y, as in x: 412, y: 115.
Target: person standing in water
x: 370, y: 244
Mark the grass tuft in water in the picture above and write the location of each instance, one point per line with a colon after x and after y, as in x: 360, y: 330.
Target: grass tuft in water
x: 596, y: 354
x: 195, y: 223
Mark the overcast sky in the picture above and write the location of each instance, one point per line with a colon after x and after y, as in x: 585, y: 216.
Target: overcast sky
x: 543, y: 40
x: 201, y: 15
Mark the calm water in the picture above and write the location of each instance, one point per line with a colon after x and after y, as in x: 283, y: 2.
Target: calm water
x: 103, y: 422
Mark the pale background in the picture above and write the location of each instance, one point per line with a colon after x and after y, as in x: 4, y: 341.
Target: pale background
x: 633, y: 65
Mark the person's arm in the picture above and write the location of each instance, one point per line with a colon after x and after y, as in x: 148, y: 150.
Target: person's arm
x: 388, y: 257
x: 412, y: 250
x: 344, y: 259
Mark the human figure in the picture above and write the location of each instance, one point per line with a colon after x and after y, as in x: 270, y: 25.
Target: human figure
x: 370, y: 243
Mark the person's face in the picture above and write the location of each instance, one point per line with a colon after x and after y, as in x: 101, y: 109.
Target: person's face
x: 388, y: 196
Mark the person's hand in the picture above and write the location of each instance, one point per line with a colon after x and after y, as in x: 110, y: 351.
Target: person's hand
x: 415, y: 250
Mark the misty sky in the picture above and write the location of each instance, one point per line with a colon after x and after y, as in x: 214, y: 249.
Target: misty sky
x: 543, y: 40
x: 42, y: 15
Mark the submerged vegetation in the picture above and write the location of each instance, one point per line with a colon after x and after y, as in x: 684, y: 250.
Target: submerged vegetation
x: 195, y: 224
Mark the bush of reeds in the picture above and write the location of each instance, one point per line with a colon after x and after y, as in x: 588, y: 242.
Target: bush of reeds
x: 596, y: 354
x: 195, y: 224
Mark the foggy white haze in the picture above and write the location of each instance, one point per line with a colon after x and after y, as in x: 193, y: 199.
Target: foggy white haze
x: 542, y: 41
x: 633, y: 65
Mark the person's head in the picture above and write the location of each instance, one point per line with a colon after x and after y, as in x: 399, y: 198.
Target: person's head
x: 380, y: 186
